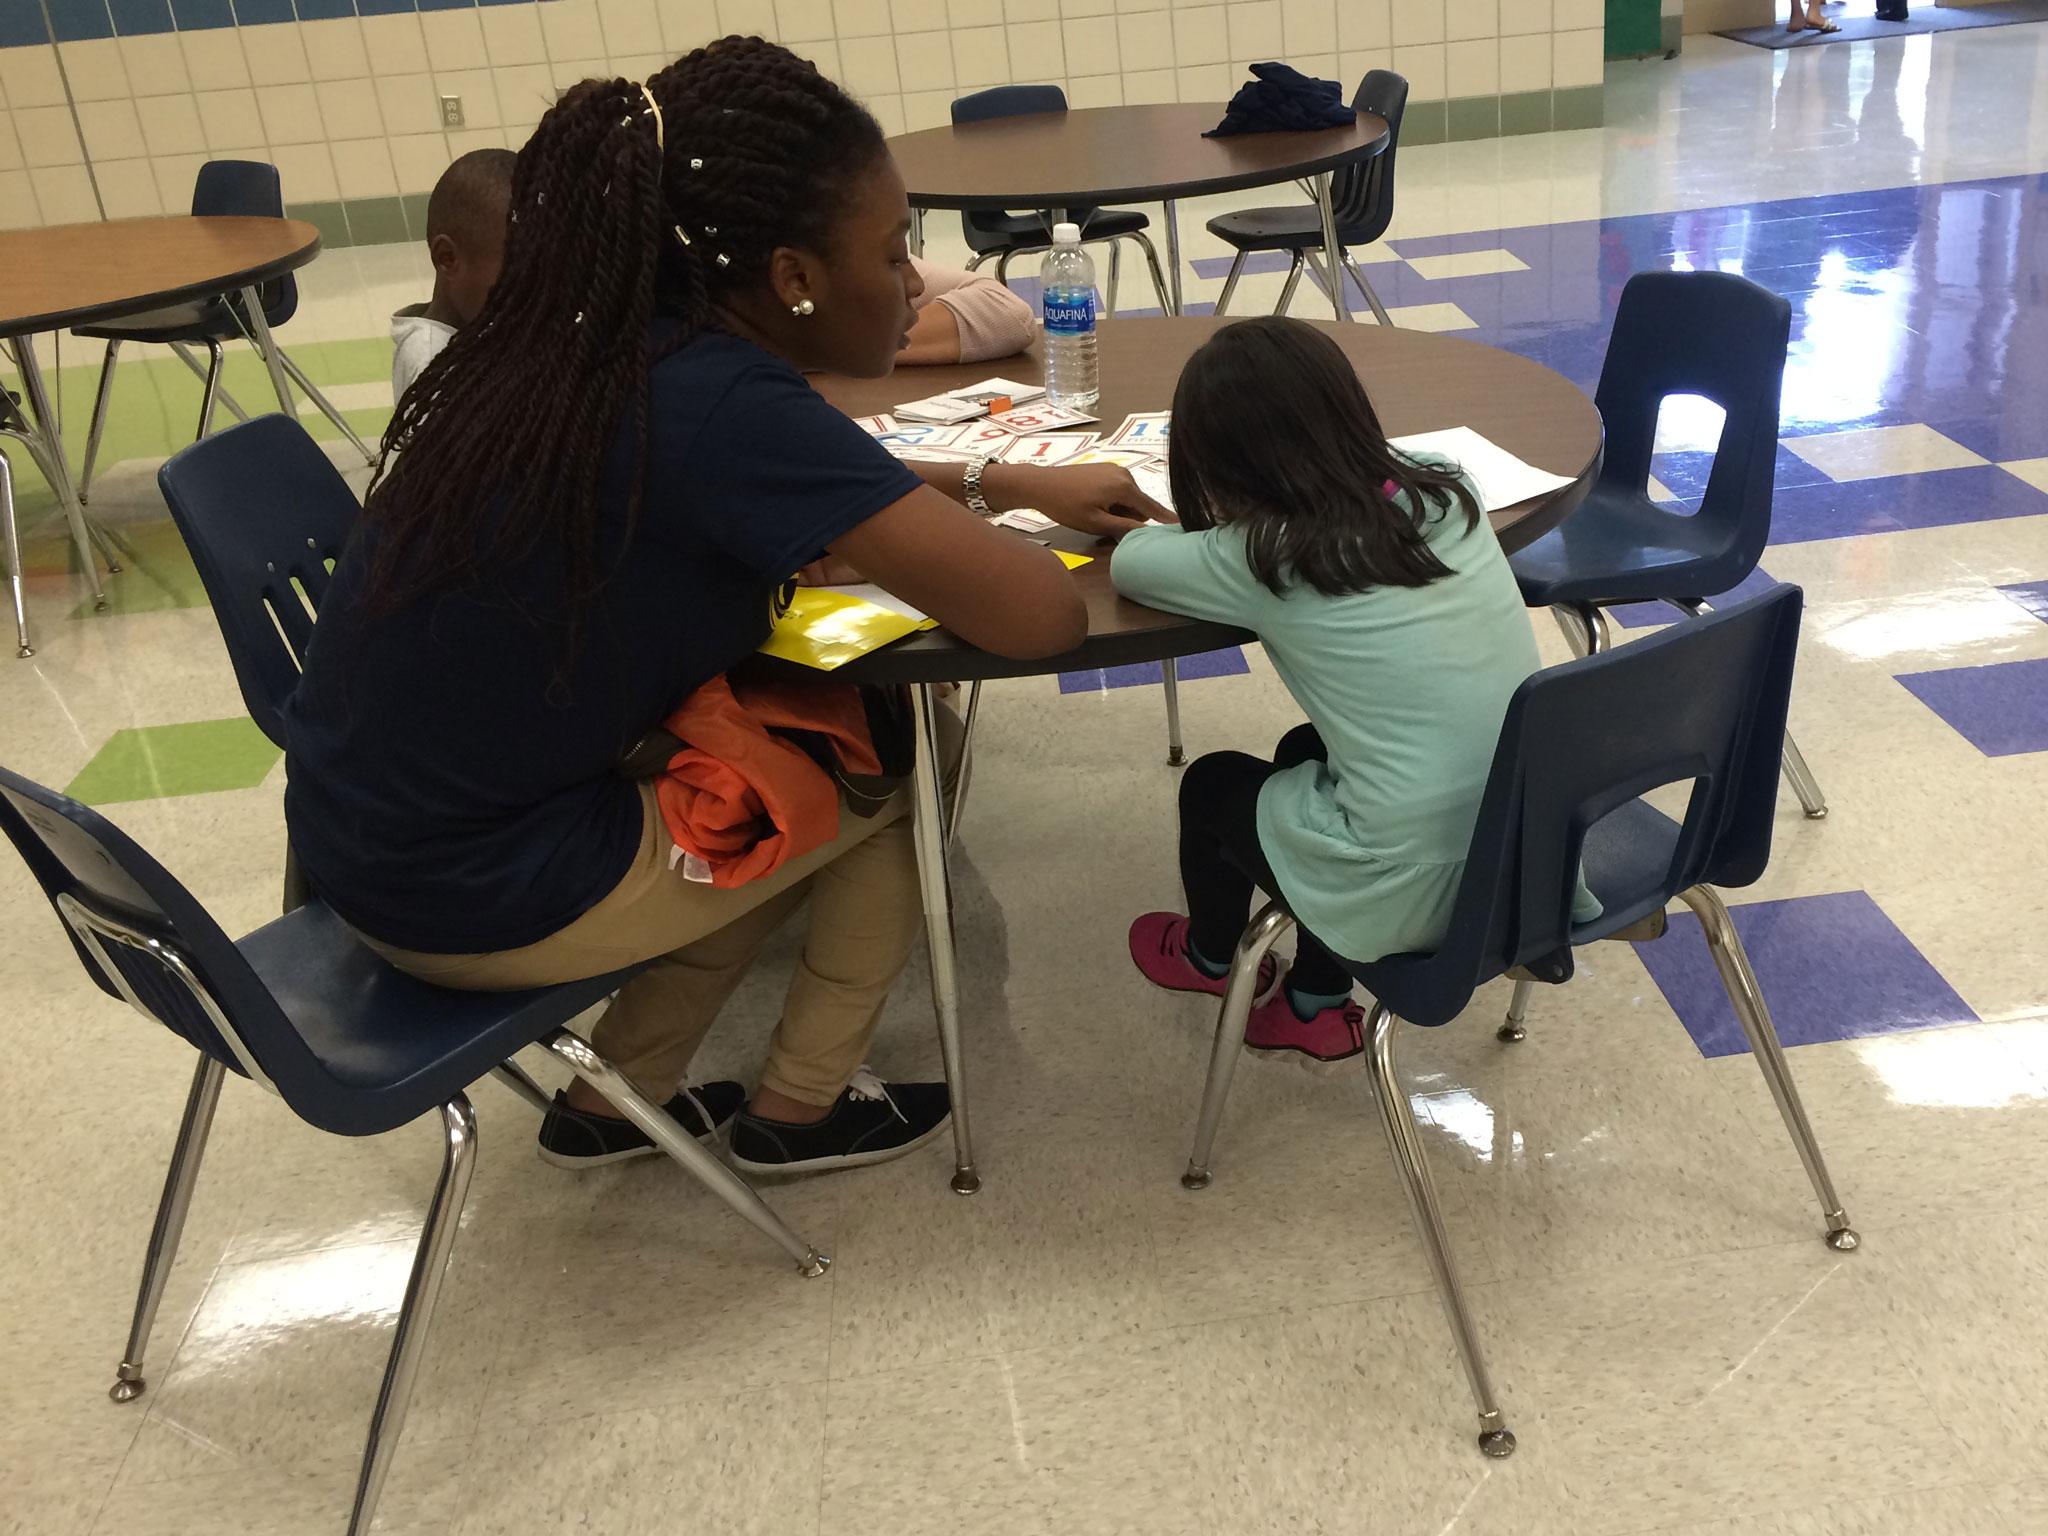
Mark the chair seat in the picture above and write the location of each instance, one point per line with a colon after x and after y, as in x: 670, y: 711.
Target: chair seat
x: 1293, y: 228
x: 395, y: 1046
x: 1022, y: 231
x: 1623, y: 547
x: 198, y: 320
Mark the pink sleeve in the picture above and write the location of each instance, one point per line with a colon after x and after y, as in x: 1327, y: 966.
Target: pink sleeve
x: 994, y: 322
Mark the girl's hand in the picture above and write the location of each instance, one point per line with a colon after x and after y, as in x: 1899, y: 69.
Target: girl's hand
x: 1101, y: 499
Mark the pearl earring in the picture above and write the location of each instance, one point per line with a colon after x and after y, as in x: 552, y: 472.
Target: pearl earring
x: 804, y: 310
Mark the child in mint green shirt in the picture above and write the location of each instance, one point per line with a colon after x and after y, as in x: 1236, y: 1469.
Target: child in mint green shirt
x: 1385, y: 604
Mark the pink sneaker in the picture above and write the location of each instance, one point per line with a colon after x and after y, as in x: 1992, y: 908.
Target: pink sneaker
x: 1159, y: 948
x: 1334, y: 1034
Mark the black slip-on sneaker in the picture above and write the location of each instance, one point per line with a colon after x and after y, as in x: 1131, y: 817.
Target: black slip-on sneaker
x: 872, y: 1122
x: 571, y: 1139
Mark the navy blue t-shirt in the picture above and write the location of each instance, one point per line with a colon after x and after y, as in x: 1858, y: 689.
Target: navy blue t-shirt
x: 451, y: 784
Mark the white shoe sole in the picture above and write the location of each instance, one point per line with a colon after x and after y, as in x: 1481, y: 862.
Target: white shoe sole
x: 834, y: 1164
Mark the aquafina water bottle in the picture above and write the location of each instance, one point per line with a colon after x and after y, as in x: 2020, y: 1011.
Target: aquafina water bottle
x: 1068, y: 275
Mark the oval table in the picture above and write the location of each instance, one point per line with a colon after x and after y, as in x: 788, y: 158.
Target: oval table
x: 1419, y: 382
x: 1095, y: 155
x: 73, y: 274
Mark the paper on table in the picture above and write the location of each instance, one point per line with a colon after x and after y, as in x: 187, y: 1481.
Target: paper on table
x: 826, y: 628
x: 1502, y: 478
x: 1152, y: 479
x: 868, y: 592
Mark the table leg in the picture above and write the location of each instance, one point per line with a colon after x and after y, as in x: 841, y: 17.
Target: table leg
x: 1173, y: 254
x: 47, y: 448
x: 259, y: 332
x: 928, y: 808
x: 1333, y: 252
x: 917, y: 231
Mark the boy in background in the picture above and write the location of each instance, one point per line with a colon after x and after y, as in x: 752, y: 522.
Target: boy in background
x: 466, y: 218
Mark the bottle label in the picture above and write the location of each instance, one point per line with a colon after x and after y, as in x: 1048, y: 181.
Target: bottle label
x: 1070, y: 314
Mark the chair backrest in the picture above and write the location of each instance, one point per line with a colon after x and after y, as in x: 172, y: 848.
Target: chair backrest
x: 1363, y: 197
x: 250, y: 189
x: 1716, y: 335
x: 1703, y: 702
x: 264, y: 513
x: 983, y: 230
x: 143, y: 937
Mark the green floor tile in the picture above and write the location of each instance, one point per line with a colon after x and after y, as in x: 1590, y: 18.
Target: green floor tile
x: 152, y: 762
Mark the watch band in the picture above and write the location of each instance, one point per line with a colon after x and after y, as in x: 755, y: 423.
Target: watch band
x: 970, y: 487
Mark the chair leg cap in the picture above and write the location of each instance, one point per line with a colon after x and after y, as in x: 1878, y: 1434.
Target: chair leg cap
x: 1818, y: 815
x: 1498, y: 1443
x: 1843, y: 1240
x: 1510, y: 1032
x: 126, y: 1391
x: 1195, y: 1178
x: 966, y: 1181
x: 813, y: 1264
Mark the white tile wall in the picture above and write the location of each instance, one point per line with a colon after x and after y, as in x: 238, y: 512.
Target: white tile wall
x: 349, y: 108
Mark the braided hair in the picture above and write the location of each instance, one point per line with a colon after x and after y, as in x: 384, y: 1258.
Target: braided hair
x: 628, y: 201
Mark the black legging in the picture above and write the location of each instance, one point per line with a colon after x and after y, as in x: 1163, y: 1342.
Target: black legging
x: 1221, y: 860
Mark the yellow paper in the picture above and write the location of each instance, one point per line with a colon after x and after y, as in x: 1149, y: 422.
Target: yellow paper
x: 827, y: 629
x: 1072, y: 560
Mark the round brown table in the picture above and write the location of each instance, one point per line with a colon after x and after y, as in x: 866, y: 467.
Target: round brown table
x: 1097, y: 155
x: 1419, y: 382
x: 73, y: 274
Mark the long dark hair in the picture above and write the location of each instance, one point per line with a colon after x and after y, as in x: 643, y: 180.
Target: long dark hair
x: 1272, y: 430
x: 620, y: 209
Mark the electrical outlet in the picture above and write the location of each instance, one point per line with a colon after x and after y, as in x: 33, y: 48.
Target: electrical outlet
x: 451, y: 112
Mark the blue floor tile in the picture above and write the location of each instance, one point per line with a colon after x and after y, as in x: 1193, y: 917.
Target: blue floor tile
x: 1831, y: 968
x: 2000, y: 709
x: 1938, y: 499
x: 2030, y: 595
x: 1224, y: 663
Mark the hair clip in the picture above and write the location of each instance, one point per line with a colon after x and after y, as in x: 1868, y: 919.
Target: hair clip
x: 710, y: 229
x: 680, y: 235
x: 722, y: 260
x: 696, y: 164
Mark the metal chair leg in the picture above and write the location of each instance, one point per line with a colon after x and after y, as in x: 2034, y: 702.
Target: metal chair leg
x: 974, y: 262
x: 210, y: 390
x: 1116, y: 262
x: 1379, y: 310
x: 1230, y: 283
x: 958, y: 803
x: 422, y: 1290
x: 219, y: 391
x: 11, y: 533
x: 1293, y: 282
x: 1003, y: 268
x: 1803, y: 783
x: 1158, y: 273
x: 1585, y: 628
x: 1170, y: 675
x: 179, y: 1180
x: 1238, y: 995
x: 99, y: 422
x: 1747, y: 998
x: 696, y: 1159
x: 1512, y: 1029
x: 935, y: 884
x: 514, y: 1076
x: 1495, y: 1438
x: 298, y: 377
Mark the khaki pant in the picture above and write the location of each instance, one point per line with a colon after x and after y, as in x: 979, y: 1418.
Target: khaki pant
x: 866, y: 911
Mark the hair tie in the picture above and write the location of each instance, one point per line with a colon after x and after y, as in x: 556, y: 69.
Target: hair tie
x: 654, y: 107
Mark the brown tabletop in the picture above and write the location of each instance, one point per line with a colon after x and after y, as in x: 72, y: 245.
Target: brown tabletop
x: 69, y: 274
x: 1113, y: 155
x: 1419, y: 382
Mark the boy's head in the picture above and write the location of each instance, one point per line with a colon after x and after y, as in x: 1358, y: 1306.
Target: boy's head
x: 466, y: 219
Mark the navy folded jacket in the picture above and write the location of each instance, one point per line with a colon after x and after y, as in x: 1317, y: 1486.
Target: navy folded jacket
x: 1283, y: 100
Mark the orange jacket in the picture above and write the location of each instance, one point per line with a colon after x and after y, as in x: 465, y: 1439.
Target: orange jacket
x: 745, y: 799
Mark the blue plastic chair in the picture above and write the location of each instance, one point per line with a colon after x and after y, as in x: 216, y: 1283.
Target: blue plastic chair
x: 223, y: 188
x: 1711, y: 334
x: 1361, y: 197
x: 1006, y: 235
x: 1704, y: 703
x: 352, y: 1045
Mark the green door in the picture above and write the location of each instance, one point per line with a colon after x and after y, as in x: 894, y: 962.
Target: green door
x: 1635, y: 28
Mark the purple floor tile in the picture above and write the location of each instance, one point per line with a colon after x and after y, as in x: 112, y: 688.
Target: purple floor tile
x: 1831, y: 968
x: 2030, y: 595
x: 1937, y: 499
x: 1259, y: 261
x: 1224, y: 663
x: 2000, y: 709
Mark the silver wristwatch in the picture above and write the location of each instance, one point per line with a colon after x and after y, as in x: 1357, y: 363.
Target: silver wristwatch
x: 970, y: 488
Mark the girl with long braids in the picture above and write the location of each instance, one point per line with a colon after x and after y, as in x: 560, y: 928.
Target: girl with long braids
x: 587, y: 505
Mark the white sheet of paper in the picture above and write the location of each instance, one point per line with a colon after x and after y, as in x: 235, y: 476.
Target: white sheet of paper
x: 868, y: 592
x: 1025, y: 521
x: 990, y: 389
x: 1152, y: 480
x: 945, y: 409
x: 875, y: 426
x: 1042, y: 418
x: 1047, y: 447
x: 1147, y: 430
x: 1502, y: 478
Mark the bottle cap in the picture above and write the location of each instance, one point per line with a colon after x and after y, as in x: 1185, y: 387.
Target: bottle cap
x: 1066, y: 234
